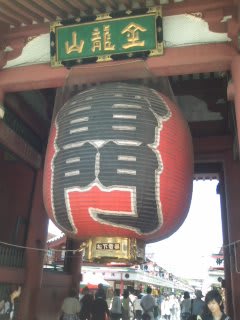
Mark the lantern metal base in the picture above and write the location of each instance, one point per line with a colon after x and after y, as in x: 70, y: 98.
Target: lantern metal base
x: 114, y: 249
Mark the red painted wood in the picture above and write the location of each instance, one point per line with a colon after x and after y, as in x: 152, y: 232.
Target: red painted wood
x: 192, y: 6
x: 1, y: 96
x: 18, y: 146
x: 192, y: 59
x: 28, y: 31
x: 233, y: 29
x: 232, y: 178
x: 28, y: 116
x: 15, y: 199
x: 230, y: 91
x: 37, y: 237
x: 211, y: 145
x: 175, y: 61
x: 235, y: 69
x: 11, y: 275
x: 214, y: 19
x: 55, y: 287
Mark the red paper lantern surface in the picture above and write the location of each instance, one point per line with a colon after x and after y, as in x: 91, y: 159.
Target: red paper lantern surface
x: 119, y: 163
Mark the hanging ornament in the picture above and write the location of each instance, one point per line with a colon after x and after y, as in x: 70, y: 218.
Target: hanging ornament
x: 118, y: 170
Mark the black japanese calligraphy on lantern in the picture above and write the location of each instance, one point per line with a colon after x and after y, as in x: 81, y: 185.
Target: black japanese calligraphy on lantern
x: 116, y: 169
x: 108, y: 137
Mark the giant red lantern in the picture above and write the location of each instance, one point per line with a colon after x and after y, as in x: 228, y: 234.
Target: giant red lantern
x: 118, y: 169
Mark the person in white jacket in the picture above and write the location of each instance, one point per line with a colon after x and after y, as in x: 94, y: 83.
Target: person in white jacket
x: 165, y: 308
x: 137, y: 307
x: 116, y: 306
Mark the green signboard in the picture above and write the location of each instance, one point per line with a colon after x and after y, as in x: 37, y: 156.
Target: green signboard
x: 107, y: 37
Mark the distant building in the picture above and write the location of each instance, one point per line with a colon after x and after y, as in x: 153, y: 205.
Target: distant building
x: 216, y: 269
x: 119, y: 275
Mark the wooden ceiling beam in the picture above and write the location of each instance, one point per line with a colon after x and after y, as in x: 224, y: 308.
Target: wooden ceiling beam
x: 8, y: 20
x: 64, y: 5
x: 14, y: 14
x: 25, y: 11
x: 95, y: 6
x: 79, y: 5
x: 50, y: 7
x: 17, y: 8
x: 4, y: 29
x: 101, y: 7
x: 86, y: 4
x: 112, y: 4
x: 38, y: 10
x: 126, y: 3
x: 142, y: 3
x: 195, y: 6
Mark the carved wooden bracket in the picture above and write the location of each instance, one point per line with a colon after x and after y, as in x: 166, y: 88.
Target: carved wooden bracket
x: 13, y: 42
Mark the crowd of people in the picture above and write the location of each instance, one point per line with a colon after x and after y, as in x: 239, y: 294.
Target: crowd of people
x: 8, y: 303
x: 134, y: 305
x: 86, y: 306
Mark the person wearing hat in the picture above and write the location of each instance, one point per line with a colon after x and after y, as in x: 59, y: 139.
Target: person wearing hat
x: 197, y: 303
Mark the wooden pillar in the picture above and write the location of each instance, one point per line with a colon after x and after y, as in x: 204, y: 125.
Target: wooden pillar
x: 232, y: 187
x: 226, y: 249
x: 1, y: 104
x: 73, y: 261
x: 121, y: 284
x: 1, y: 96
x: 232, y: 184
x: 76, y: 265
x: 234, y: 91
x: 37, y: 236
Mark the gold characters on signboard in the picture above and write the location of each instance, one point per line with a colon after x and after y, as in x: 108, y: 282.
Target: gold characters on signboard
x: 107, y: 39
x: 132, y: 31
x: 96, y: 39
x: 104, y: 43
x: 74, y: 47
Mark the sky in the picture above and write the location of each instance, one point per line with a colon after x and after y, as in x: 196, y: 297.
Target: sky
x: 187, y: 252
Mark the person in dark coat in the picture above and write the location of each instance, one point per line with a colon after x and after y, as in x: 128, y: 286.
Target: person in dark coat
x: 86, y: 304
x: 100, y: 291
x: 99, y: 307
